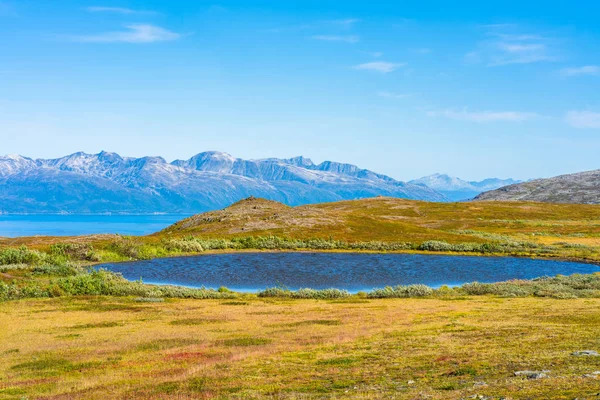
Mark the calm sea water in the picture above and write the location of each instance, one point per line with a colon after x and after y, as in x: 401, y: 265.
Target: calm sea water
x: 251, y: 272
x: 68, y: 225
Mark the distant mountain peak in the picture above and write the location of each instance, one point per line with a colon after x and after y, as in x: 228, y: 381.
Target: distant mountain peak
x: 107, y: 182
x: 301, y: 161
x: 458, y: 189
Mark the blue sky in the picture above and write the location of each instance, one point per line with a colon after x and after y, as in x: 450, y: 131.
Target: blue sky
x: 479, y: 89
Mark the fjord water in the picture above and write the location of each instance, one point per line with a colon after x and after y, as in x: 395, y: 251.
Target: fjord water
x: 72, y: 225
x: 251, y: 272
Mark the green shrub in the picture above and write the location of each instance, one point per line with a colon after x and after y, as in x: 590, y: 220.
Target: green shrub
x: 320, y: 294
x: 184, y: 246
x: 125, y: 246
x: 435, y: 245
x: 21, y: 255
x: 74, y: 251
x: 401, y: 292
x: 305, y: 293
x: 275, y: 292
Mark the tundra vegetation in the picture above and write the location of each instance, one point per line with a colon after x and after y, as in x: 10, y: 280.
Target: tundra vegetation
x: 70, y: 331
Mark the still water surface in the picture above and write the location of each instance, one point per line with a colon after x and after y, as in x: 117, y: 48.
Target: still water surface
x: 73, y: 225
x: 251, y: 272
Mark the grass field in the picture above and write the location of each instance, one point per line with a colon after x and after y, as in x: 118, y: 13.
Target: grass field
x: 60, y: 341
x: 117, y: 348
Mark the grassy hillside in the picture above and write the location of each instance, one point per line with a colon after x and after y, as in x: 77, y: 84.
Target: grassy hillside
x: 567, y: 229
x: 391, y: 219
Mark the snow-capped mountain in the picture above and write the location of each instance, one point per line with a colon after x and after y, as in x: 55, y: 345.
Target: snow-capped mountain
x: 107, y: 182
x: 457, y: 189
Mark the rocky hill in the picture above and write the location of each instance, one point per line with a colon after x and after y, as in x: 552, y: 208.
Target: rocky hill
x: 580, y: 188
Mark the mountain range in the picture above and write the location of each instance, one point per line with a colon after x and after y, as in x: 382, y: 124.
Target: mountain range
x: 109, y: 183
x: 580, y: 188
x: 457, y: 189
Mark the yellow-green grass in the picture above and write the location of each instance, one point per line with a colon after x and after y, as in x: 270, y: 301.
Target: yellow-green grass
x: 117, y: 348
x: 391, y: 219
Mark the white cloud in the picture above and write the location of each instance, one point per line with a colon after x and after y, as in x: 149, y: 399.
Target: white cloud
x: 511, y: 53
x: 335, y: 38
x: 135, y: 33
x: 498, y: 26
x: 516, y: 37
x: 484, y: 116
x: 583, y: 119
x: 521, y: 48
x: 116, y: 10
x: 585, y: 70
x: 379, y: 66
x: 345, y: 22
x: 391, y: 95
x: 511, y: 48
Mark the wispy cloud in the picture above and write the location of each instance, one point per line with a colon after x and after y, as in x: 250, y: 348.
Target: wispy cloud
x: 516, y: 37
x: 505, y: 47
x: 394, y: 96
x: 422, y: 50
x: 379, y: 66
x: 345, y: 22
x: 337, y: 38
x: 579, y: 71
x: 135, y: 33
x: 484, y: 116
x: 583, y: 119
x: 498, y: 26
x: 117, y: 10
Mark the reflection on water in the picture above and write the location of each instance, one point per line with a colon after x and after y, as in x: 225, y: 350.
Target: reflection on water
x: 355, y: 272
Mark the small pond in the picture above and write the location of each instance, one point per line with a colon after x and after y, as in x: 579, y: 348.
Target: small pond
x: 251, y: 272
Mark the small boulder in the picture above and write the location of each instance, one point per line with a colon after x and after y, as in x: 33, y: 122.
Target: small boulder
x: 586, y: 353
x: 533, y: 374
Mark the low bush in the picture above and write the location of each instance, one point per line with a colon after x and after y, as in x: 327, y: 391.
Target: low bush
x: 435, y: 245
x: 559, y: 287
x: 102, y: 282
x: 401, y: 291
x: 305, y: 293
x: 21, y: 255
x: 74, y: 251
x: 196, y: 245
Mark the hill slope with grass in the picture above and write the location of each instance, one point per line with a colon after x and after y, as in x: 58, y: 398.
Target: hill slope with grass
x: 397, y: 220
x: 580, y: 188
